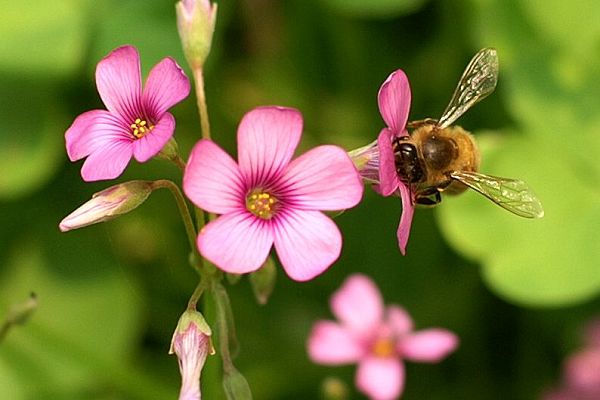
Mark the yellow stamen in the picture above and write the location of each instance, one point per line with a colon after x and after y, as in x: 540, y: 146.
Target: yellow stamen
x: 383, y: 348
x: 262, y: 204
x: 140, y: 128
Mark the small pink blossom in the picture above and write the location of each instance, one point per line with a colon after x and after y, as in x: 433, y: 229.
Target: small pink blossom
x: 108, y: 204
x: 581, y: 372
x: 136, y: 122
x: 267, y: 199
x: 394, y: 104
x: 376, y: 337
x: 191, y: 343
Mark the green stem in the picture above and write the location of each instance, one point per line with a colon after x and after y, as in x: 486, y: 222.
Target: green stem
x: 179, y: 162
x: 193, y: 301
x: 201, y: 102
x: 18, y: 314
x: 183, y: 210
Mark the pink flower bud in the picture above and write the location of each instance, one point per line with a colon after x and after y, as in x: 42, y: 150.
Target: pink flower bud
x: 196, y: 24
x: 191, y: 342
x: 108, y: 204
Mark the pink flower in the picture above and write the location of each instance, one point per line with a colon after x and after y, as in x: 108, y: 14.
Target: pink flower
x: 375, y: 337
x: 267, y: 198
x: 394, y: 105
x: 136, y: 123
x: 581, y: 370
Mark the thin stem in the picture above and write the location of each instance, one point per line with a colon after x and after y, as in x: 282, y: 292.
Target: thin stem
x: 18, y: 314
x: 179, y: 162
x: 193, y: 301
x: 201, y: 101
x: 183, y: 209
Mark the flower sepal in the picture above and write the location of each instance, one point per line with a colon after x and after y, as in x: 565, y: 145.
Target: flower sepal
x: 366, y: 161
x: 170, y: 151
x: 108, y: 204
x: 191, y: 319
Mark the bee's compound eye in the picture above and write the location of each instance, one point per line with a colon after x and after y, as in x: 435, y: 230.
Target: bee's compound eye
x: 407, y: 150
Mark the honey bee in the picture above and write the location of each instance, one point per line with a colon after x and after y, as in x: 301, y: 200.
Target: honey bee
x: 437, y: 157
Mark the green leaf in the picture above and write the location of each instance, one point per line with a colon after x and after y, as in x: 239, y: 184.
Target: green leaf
x: 553, y: 98
x: 143, y: 26
x: 82, y: 335
x: 42, y: 37
x: 534, y: 262
x: 376, y: 8
x: 571, y: 25
x: 31, y: 136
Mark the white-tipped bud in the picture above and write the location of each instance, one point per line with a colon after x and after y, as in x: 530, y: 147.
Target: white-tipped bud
x: 191, y: 343
x: 196, y: 24
x: 108, y: 204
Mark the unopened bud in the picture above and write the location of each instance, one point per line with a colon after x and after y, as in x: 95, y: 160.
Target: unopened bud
x: 196, y: 24
x: 263, y: 281
x: 191, y: 342
x: 108, y: 204
x: 235, y: 385
x: 170, y: 151
x: 334, y: 389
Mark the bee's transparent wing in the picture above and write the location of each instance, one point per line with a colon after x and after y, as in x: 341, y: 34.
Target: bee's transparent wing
x: 511, y: 194
x: 476, y: 83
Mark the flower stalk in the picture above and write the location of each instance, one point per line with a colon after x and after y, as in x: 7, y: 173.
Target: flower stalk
x: 183, y: 210
x: 201, y: 102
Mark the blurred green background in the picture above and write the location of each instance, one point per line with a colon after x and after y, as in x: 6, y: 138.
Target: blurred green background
x: 516, y: 291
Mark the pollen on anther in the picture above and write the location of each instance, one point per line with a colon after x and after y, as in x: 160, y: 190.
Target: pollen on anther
x: 140, y: 128
x: 262, y: 204
x: 383, y: 347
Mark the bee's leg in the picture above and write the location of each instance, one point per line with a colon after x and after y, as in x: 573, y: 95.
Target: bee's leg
x: 428, y: 197
x: 421, y: 122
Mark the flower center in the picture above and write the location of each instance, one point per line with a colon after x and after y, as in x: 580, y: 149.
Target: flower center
x: 384, y: 347
x: 262, y: 204
x: 140, y: 128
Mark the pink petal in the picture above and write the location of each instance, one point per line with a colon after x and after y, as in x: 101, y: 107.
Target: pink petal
x: 324, y: 178
x: 394, y: 101
x: 93, y: 130
x: 582, y: 369
x: 212, y: 180
x: 152, y: 143
x: 429, y: 345
x: 307, y: 243
x: 166, y: 86
x: 107, y: 162
x: 331, y: 344
x: 408, y: 209
x: 119, y: 82
x: 380, y: 378
x: 388, y: 177
x: 237, y: 242
x: 358, y: 304
x: 398, y: 320
x: 267, y: 138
